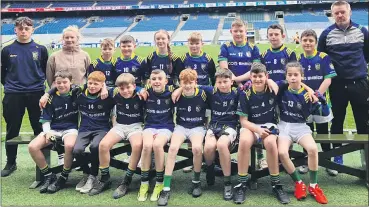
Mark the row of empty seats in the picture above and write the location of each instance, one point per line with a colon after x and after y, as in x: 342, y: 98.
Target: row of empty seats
x: 304, y: 16
x: 112, y: 21
x: 57, y: 25
x: 201, y: 22
x: 154, y: 23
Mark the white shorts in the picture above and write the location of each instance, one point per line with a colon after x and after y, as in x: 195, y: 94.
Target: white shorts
x: 232, y: 134
x: 257, y: 136
x: 62, y: 134
x: 126, y: 131
x: 189, y: 132
x: 166, y: 132
x: 293, y: 131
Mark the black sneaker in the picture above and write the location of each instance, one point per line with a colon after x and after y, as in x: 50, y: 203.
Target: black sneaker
x: 163, y: 198
x: 195, y: 190
x: 48, y: 181
x: 57, y: 185
x: 210, y: 175
x: 227, y: 193
x: 99, y: 187
x: 280, y: 194
x: 8, y: 169
x: 239, y: 193
x: 121, y: 190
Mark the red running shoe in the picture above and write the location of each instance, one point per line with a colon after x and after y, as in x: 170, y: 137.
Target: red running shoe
x: 300, y: 190
x: 318, y: 194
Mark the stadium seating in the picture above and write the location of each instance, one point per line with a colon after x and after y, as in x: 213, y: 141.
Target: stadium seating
x: 58, y: 25
x: 28, y: 5
x: 360, y: 16
x: 201, y: 22
x: 117, y: 3
x: 154, y: 23
x: 7, y: 29
x: 112, y: 21
x: 72, y: 4
x: 150, y: 2
x: 304, y: 17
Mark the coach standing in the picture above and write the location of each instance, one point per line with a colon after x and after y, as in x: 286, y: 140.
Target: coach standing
x: 23, y: 67
x: 347, y: 45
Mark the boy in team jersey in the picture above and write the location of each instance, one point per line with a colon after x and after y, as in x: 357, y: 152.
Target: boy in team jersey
x: 59, y: 121
x: 157, y: 131
x: 258, y: 118
x: 106, y: 62
x: 191, y: 120
x: 318, y: 74
x: 221, y: 133
x: 129, y: 108
x: 129, y: 62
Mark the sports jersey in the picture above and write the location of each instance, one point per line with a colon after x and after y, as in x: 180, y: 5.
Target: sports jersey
x: 107, y: 67
x: 61, y: 111
x: 316, y: 68
x: 157, y: 61
x: 203, y: 64
x: 95, y: 112
x: 276, y: 60
x: 239, y: 57
x: 134, y: 65
x: 191, y: 110
x: 295, y: 106
x: 159, y: 109
x: 129, y: 110
x: 223, y: 106
x: 258, y: 107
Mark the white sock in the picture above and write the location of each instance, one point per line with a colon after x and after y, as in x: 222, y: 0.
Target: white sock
x: 313, y: 185
x: 166, y: 189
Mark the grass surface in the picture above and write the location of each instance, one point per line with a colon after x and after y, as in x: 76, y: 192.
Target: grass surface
x: 341, y: 190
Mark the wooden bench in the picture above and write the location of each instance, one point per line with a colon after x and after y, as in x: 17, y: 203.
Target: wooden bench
x: 26, y: 139
x: 351, y: 143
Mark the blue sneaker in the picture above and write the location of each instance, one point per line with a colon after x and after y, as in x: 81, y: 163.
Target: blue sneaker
x: 338, y: 159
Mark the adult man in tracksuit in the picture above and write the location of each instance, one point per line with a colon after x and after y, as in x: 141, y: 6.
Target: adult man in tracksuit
x: 347, y: 45
x: 23, y: 66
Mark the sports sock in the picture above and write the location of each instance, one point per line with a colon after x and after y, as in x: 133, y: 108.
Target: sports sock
x: 227, y: 180
x: 159, y: 176
x: 45, y: 171
x: 105, y: 175
x: 144, y: 176
x: 129, y: 175
x: 65, y: 172
x: 313, y: 177
x: 243, y: 178
x: 167, y: 180
x: 295, y: 176
x: 274, y: 179
x: 196, y: 177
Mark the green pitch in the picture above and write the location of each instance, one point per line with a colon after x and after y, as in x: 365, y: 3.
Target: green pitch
x: 340, y: 190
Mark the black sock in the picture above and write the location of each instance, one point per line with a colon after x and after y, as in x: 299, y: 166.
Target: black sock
x: 105, y: 175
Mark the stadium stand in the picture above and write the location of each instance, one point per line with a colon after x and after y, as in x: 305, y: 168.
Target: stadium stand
x: 201, y: 22
x: 360, y: 16
x: 154, y: 23
x: 111, y: 21
x: 72, y: 4
x: 115, y: 3
x: 150, y: 2
x: 28, y: 5
x: 57, y: 25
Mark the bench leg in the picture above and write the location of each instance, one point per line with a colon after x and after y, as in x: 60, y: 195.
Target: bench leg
x: 366, y: 166
x: 39, y: 176
x: 253, y: 180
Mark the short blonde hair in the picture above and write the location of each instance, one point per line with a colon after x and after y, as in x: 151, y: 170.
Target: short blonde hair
x: 107, y: 42
x: 73, y: 28
x: 97, y: 76
x: 195, y: 37
x: 127, y: 39
x: 239, y: 23
x: 156, y: 72
x: 125, y: 79
x: 188, y: 75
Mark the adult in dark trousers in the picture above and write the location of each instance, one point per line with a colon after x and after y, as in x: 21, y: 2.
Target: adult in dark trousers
x: 23, y: 67
x: 347, y: 45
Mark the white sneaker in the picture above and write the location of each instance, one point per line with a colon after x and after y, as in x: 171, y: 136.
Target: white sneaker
x: 61, y: 159
x: 89, y: 184
x: 82, y: 182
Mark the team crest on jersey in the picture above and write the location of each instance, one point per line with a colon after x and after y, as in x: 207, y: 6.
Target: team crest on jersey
x: 74, y: 104
x: 283, y: 61
x: 317, y: 66
x: 248, y: 54
x: 203, y: 66
x: 198, y: 108
x: 331, y: 66
x: 134, y: 69
x: 271, y: 101
x: 167, y: 101
x: 99, y: 106
x: 299, y: 106
x: 35, y: 55
x: 231, y: 102
x: 135, y: 106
